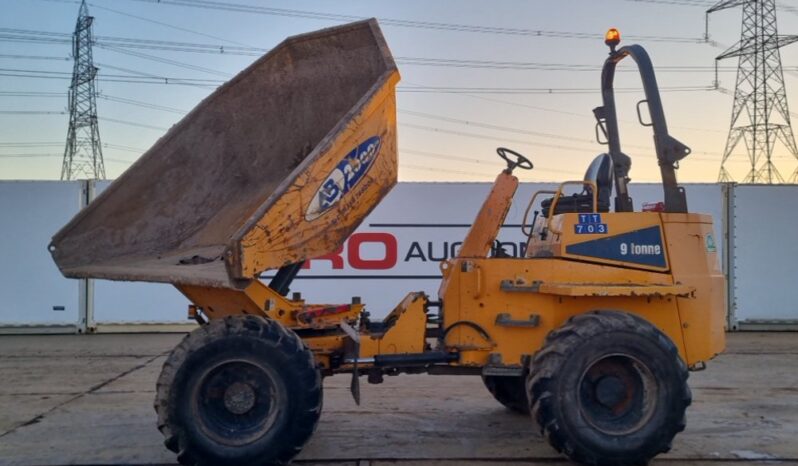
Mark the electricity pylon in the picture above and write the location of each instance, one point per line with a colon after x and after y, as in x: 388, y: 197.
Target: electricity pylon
x: 83, y: 155
x: 760, y: 115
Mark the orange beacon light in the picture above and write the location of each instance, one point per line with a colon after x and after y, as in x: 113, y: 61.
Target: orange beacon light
x: 612, y: 37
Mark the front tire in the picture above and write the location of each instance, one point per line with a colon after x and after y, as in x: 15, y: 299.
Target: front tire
x: 609, y: 388
x: 239, y: 390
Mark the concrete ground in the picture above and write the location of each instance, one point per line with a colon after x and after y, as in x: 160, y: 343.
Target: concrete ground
x: 88, y: 400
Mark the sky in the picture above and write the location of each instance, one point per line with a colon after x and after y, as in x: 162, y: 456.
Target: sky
x: 539, y: 104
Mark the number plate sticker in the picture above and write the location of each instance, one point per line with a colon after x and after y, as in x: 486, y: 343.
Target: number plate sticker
x: 590, y: 228
x: 590, y: 224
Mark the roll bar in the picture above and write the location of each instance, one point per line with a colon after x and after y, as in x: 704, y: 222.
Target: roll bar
x: 669, y: 150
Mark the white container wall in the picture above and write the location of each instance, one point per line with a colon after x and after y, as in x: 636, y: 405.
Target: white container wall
x: 136, y: 303
x: 764, y: 257
x: 397, y: 250
x: 121, y: 305
x: 32, y: 290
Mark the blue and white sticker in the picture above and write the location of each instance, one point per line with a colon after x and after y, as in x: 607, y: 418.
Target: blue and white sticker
x: 643, y: 247
x: 345, y: 176
x: 590, y: 224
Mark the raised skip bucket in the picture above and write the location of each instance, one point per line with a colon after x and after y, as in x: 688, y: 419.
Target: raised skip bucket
x: 278, y: 165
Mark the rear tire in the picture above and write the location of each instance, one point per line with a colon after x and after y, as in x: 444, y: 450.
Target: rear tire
x: 509, y: 391
x: 239, y: 390
x: 609, y: 388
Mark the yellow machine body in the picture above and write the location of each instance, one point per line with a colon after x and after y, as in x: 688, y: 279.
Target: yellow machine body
x: 283, y: 162
x: 498, y: 311
x: 324, y: 155
x: 516, y: 302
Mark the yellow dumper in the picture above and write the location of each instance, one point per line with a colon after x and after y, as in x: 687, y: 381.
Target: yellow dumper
x: 592, y: 332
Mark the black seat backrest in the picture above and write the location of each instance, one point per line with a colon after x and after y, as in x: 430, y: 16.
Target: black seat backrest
x: 600, y: 172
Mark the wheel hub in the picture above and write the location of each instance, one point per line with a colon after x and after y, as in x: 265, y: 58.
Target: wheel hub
x: 239, y: 398
x: 237, y: 401
x: 617, y: 394
x: 610, y: 391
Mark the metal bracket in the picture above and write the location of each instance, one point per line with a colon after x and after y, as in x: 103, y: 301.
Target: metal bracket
x: 504, y: 320
x: 495, y: 367
x: 640, y: 115
x: 503, y: 371
x: 509, y: 285
x: 699, y: 366
x: 354, y: 386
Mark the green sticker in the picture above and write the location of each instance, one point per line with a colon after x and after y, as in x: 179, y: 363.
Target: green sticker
x: 711, y: 243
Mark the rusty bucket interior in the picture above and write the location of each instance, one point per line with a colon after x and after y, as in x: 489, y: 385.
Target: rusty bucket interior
x: 278, y: 165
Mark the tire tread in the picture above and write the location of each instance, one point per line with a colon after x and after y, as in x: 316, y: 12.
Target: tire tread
x: 547, y: 364
x: 302, y: 363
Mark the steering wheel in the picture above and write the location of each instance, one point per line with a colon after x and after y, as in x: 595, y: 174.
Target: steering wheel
x: 517, y: 160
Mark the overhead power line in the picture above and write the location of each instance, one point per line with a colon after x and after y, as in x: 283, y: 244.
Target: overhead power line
x: 167, y: 61
x: 491, y: 138
x: 167, y: 25
x: 540, y: 90
x: 49, y: 37
x: 423, y: 61
x: 493, y: 163
x: 29, y: 155
x: 429, y: 25
x: 47, y: 155
x: 123, y: 45
x: 139, y: 75
x: 427, y: 168
x: 33, y: 57
x: 701, y: 4
x: 146, y: 78
x: 125, y: 148
x: 139, y: 103
x: 32, y: 94
x: 133, y: 123
x: 30, y: 112
x: 138, y: 78
x: 175, y: 46
x: 705, y: 4
x: 112, y: 120
x: 494, y: 127
x: 586, y: 115
x: 454, y: 158
x: 534, y: 66
x: 30, y: 144
x: 525, y: 132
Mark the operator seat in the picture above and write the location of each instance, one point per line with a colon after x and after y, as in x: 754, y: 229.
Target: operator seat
x: 600, y: 172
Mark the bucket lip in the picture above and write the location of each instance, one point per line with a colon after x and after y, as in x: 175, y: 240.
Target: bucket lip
x: 188, y: 119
